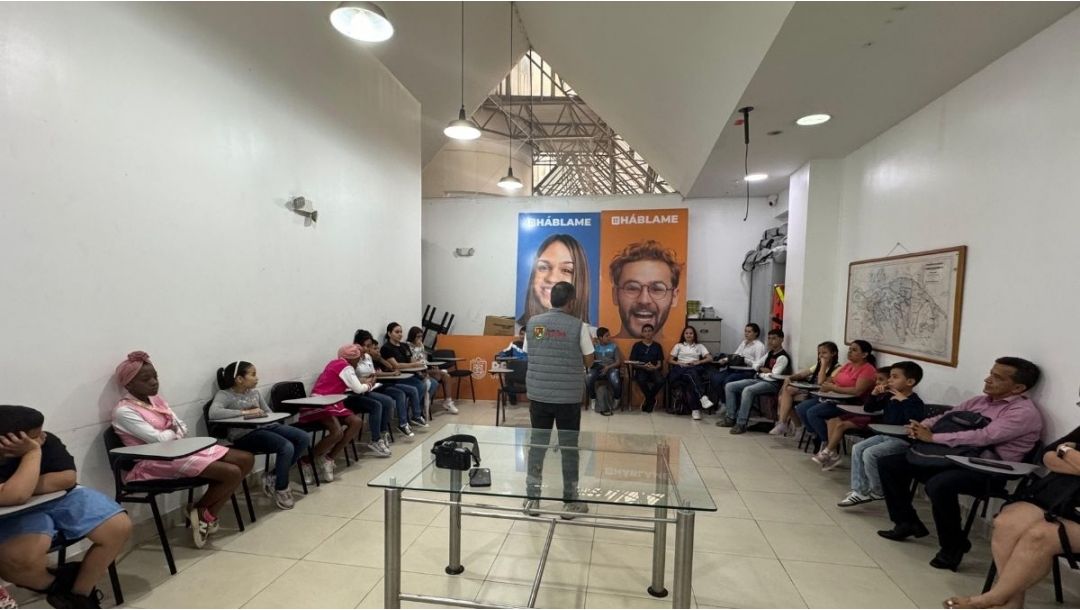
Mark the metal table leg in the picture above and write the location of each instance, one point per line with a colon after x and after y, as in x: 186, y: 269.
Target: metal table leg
x: 684, y: 558
x: 392, y: 548
x: 659, y: 555
x: 454, y: 565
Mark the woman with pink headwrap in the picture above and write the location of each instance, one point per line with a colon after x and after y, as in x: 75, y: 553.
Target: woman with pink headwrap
x: 142, y: 416
x: 338, y: 377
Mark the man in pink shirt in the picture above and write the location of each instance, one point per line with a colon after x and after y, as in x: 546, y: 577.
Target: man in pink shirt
x: 1014, y: 429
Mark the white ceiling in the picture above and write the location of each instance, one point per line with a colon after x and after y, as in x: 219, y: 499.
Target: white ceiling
x: 820, y: 62
x: 670, y: 76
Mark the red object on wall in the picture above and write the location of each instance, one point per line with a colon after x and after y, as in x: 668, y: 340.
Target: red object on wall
x: 776, y: 315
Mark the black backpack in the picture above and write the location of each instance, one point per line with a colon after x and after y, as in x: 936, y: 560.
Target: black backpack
x: 923, y: 453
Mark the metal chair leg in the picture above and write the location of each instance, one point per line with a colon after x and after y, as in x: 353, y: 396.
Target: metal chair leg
x: 114, y: 578
x: 161, y: 534
x: 1058, y: 596
x: 472, y: 388
x: 303, y: 483
x: 236, y: 511
x: 990, y: 575
x: 247, y: 498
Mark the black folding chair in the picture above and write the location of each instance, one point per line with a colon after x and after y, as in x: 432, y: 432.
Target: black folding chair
x: 146, y: 492
x: 513, y: 383
x: 60, y: 545
x: 455, y: 372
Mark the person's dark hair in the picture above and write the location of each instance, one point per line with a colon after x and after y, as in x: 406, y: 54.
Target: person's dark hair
x: 389, y: 327
x: 561, y: 294
x: 226, y: 375
x: 362, y: 336
x: 602, y: 331
x: 649, y: 250
x: 754, y: 327
x: 648, y: 326
x: 413, y: 333
x: 533, y: 305
x: 910, y: 370
x: 867, y: 349
x: 834, y: 350
x: 1027, y: 373
x: 14, y: 418
x: 684, y: 332
x: 776, y: 332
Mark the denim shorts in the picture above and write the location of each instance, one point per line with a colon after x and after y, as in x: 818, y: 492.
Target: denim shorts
x: 74, y: 516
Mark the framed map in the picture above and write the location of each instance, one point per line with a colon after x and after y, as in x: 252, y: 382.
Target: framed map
x: 908, y: 305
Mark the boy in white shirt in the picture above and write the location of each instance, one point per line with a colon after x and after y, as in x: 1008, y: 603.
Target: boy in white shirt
x: 750, y: 350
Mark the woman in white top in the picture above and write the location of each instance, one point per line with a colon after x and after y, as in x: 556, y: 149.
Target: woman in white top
x: 687, y: 360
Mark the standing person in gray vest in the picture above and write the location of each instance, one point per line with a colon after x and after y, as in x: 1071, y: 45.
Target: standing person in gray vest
x: 560, y: 350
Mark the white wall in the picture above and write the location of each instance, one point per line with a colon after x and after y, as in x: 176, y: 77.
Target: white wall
x: 991, y: 164
x: 483, y: 284
x: 148, y: 153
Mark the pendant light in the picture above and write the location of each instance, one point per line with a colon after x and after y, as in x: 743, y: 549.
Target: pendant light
x: 509, y: 182
x: 462, y: 128
x: 364, y: 21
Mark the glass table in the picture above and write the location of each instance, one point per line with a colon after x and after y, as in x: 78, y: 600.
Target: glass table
x: 649, y: 471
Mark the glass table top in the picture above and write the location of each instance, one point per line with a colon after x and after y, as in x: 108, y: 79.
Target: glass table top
x: 646, y: 470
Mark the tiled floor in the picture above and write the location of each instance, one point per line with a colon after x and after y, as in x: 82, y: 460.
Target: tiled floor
x: 777, y: 540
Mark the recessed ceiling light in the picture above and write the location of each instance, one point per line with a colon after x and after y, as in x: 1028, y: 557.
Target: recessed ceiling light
x: 755, y: 177
x: 813, y: 119
x: 364, y: 21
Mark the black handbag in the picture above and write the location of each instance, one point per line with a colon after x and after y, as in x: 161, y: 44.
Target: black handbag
x: 923, y: 453
x: 450, y: 452
x: 1056, y: 493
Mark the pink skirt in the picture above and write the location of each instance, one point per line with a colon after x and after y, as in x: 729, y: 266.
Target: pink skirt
x: 191, y: 466
x: 310, y: 415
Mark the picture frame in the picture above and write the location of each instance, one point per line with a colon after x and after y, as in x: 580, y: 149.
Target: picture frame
x: 909, y: 305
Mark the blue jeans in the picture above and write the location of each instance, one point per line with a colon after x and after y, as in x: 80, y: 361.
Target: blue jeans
x: 741, y: 394
x: 690, y: 376
x: 814, y: 413
x: 864, y: 462
x: 288, y: 445
x: 718, y: 381
x: 613, y: 378
x: 400, y: 398
x: 377, y: 408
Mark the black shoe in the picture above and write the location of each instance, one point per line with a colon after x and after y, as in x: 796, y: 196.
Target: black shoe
x: 737, y: 429
x: 66, y: 574
x: 74, y: 600
x: 903, y: 531
x: 950, y: 559
x: 725, y: 422
x: 608, y: 412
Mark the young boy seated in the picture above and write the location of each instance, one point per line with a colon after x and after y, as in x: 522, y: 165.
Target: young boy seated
x: 897, y: 398
x: 33, y: 462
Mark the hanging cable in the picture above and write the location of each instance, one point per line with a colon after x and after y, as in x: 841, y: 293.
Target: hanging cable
x: 745, y: 110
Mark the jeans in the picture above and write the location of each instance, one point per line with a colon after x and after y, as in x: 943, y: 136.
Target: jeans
x: 411, y: 388
x: 718, y: 381
x: 567, y: 418
x: 650, y: 382
x: 376, y: 406
x: 691, y: 376
x: 864, y: 462
x: 814, y: 413
x: 288, y: 445
x: 613, y: 378
x: 741, y: 394
x: 943, y: 487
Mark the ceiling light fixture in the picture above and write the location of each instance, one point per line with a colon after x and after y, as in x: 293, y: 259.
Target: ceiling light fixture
x: 509, y: 182
x: 813, y: 119
x: 462, y: 128
x: 364, y: 21
x: 756, y: 177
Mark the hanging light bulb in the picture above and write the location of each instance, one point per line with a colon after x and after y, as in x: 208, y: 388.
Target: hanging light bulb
x: 462, y: 128
x: 509, y: 181
x: 364, y: 21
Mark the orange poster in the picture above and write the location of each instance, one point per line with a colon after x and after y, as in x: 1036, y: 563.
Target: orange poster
x: 643, y: 272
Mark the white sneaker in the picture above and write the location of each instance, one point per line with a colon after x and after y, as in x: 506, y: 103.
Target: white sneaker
x: 283, y: 499
x: 695, y: 414
x: 855, y: 498
x: 706, y: 403
x: 269, y: 481
x: 592, y: 404
x: 326, y: 469
x: 450, y: 407
x: 198, y: 528
x: 780, y: 429
x: 308, y: 472
x: 820, y: 457
x: 379, y: 448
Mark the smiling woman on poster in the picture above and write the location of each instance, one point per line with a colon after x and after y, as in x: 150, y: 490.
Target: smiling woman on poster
x: 560, y: 258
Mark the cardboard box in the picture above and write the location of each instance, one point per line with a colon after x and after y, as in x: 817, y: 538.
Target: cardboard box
x: 499, y: 326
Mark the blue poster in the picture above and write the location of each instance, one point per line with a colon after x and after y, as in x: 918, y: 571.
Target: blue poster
x: 556, y: 248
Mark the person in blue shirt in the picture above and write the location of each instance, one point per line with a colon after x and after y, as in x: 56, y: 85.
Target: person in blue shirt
x: 648, y: 359
x: 606, y: 365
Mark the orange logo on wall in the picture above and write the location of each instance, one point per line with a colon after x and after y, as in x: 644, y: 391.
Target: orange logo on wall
x: 479, y: 367
x: 643, y: 272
